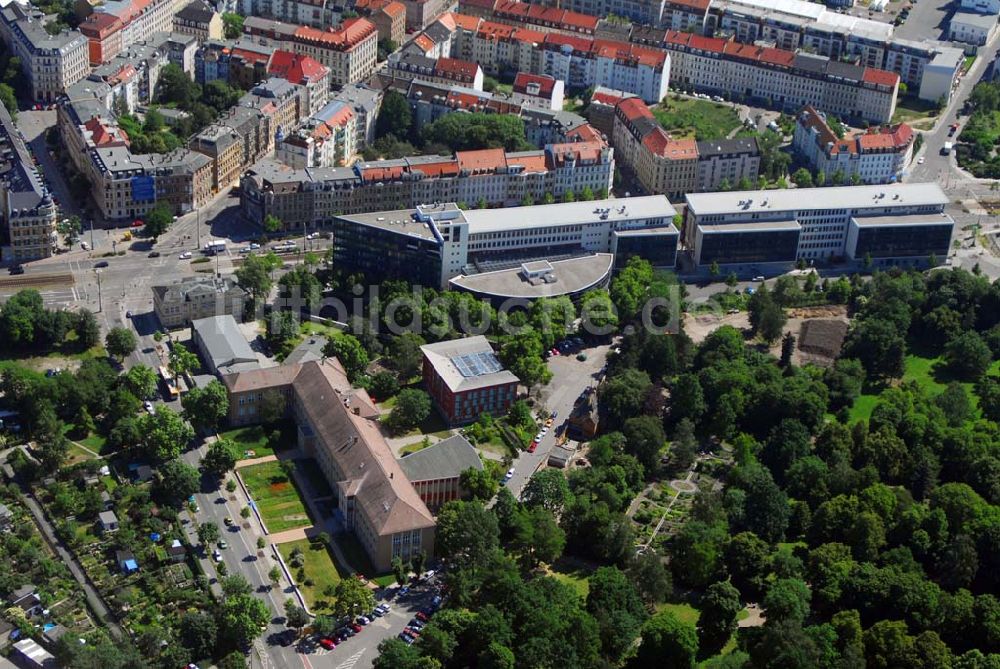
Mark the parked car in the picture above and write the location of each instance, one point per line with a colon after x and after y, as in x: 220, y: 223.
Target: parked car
x: 422, y: 616
x: 100, y: 263
x: 362, y: 620
x: 216, y: 555
x: 404, y: 591
x: 328, y: 643
x: 16, y: 269
x: 185, y: 256
x: 153, y: 254
x: 228, y: 521
x: 148, y: 406
x: 356, y: 627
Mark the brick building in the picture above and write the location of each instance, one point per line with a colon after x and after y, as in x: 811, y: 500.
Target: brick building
x: 465, y: 379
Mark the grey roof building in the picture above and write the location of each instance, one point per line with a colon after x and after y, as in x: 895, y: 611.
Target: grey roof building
x: 180, y: 303
x: 222, y: 346
x: 446, y: 459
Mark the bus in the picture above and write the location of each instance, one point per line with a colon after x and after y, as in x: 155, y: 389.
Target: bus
x: 215, y: 247
x: 168, y: 381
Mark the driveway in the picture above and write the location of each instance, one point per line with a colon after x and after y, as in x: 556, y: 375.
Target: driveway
x: 570, y: 377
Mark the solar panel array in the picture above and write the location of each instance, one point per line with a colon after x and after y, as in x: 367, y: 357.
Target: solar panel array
x: 477, y: 364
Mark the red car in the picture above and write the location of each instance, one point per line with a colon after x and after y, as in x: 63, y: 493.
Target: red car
x: 534, y: 445
x: 356, y: 627
x: 421, y: 616
x: 327, y: 643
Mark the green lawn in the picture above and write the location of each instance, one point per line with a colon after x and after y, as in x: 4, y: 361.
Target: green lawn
x: 276, y: 497
x: 683, y: 611
x: 700, y: 119
x: 434, y: 425
x: 910, y: 109
x: 925, y: 372
x: 573, y: 575
x: 255, y: 438
x: 320, y: 569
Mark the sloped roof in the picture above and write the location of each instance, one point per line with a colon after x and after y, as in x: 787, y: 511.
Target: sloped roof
x: 444, y: 460
x: 380, y: 487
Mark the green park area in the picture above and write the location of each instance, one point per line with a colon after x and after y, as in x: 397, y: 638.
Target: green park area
x: 276, y: 496
x: 698, y: 119
x: 929, y: 373
x: 315, y: 570
x: 261, y: 439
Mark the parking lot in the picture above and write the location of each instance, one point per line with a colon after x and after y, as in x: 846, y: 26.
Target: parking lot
x: 360, y: 647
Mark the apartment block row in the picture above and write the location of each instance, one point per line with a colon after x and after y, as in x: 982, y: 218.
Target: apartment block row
x: 126, y: 185
x: 350, y: 50
x: 676, y: 167
x: 29, y: 213
x: 492, y: 176
x: 113, y: 26
x: 894, y: 224
x: 790, y: 25
x: 879, y: 155
x: 579, y: 61
x: 50, y: 63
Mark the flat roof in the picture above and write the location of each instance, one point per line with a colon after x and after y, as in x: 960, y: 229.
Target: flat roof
x: 571, y: 276
x: 905, y: 221
x: 655, y: 230
x: 483, y: 221
x: 400, y: 221
x: 985, y: 21
x: 805, y: 199
x: 761, y: 226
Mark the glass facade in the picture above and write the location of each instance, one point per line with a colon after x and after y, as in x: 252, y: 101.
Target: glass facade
x: 748, y: 246
x: 383, y: 254
x: 659, y: 249
x: 903, y: 241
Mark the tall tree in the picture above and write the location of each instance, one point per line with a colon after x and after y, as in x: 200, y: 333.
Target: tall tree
x: 207, y: 406
x: 164, y: 433
x: 244, y: 617
x: 120, y: 342
x: 615, y: 604
x: 666, y: 642
x: 548, y: 489
x: 719, y: 607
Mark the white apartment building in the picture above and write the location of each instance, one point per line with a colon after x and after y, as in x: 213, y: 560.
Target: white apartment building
x: 879, y: 155
x: 972, y: 27
x: 51, y: 63
x: 982, y: 6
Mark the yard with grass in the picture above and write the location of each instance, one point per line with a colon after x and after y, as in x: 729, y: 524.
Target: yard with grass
x: 319, y: 571
x: 257, y: 438
x: 276, y: 496
x: 928, y: 373
x: 912, y: 109
x: 572, y: 574
x: 699, y: 119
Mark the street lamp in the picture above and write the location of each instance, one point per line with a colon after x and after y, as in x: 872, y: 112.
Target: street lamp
x: 100, y: 299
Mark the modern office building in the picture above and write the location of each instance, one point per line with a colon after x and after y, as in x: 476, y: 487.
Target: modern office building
x: 437, y: 244
x: 29, y: 213
x: 338, y: 426
x: 465, y: 379
x: 879, y: 155
x: 894, y: 223
x: 940, y: 73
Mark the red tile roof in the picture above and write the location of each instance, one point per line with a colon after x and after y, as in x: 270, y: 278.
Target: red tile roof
x: 455, y: 68
x: 395, y: 9
x: 465, y: 22
x: 545, y: 83
x: 350, y: 33
x: 606, y: 98
x: 424, y: 42
x: 100, y: 25
x: 547, y: 16
x: 296, y: 68
x: 880, y: 77
x: 634, y: 109
x: 699, y: 5
x: 484, y: 159
x: 890, y: 137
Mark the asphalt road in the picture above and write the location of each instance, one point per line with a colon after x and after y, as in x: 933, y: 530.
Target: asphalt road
x: 569, y: 379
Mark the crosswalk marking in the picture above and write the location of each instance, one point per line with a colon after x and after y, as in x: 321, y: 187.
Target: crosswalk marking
x: 352, y: 660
